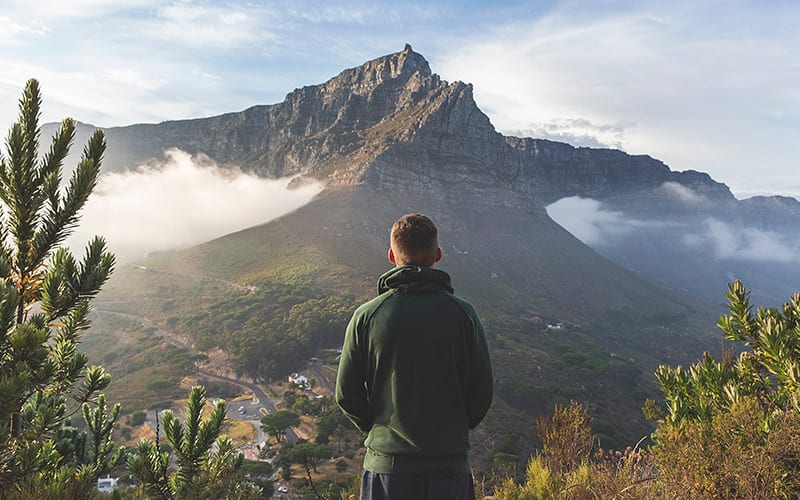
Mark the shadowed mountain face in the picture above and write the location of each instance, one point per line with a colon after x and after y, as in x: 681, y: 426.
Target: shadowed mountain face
x: 389, y: 137
x: 394, y: 126
x: 563, y: 322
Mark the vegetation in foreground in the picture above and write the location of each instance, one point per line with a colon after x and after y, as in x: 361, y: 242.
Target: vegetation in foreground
x: 731, y: 428
x: 45, y: 381
x: 45, y: 296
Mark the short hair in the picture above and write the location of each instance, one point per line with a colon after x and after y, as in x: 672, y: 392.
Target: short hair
x: 414, y: 237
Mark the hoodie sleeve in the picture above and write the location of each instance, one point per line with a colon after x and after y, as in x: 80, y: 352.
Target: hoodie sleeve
x: 351, y: 390
x: 481, y: 380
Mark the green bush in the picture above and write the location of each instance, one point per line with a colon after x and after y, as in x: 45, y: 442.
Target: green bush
x: 136, y: 418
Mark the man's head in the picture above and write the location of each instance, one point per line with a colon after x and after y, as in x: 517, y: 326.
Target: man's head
x: 414, y: 240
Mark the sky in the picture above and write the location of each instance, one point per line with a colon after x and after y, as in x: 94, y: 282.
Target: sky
x: 711, y: 86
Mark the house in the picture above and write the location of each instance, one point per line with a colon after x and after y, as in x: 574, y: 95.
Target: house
x: 106, y: 484
x: 296, y: 378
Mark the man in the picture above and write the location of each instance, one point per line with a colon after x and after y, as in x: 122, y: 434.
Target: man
x: 415, y: 374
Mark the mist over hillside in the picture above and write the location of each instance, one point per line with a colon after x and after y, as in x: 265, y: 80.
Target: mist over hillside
x: 394, y: 125
x: 699, y: 248
x: 568, y: 319
x: 179, y: 202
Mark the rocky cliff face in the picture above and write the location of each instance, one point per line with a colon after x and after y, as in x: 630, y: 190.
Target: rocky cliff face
x: 395, y: 128
x: 394, y: 125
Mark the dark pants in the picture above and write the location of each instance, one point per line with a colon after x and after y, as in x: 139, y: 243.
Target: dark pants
x: 439, y: 486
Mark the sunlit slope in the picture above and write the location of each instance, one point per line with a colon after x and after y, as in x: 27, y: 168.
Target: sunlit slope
x: 494, y: 254
x: 564, y: 323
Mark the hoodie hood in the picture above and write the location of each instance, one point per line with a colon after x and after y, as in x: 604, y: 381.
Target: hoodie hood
x: 414, y: 279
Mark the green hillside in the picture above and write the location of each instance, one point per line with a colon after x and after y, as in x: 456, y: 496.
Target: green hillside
x: 564, y: 323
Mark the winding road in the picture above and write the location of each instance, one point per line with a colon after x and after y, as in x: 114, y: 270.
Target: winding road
x: 262, y: 400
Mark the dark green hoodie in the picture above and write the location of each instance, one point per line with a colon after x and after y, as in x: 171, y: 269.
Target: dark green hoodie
x: 415, y: 373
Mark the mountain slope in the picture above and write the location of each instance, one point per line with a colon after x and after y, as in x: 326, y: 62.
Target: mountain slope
x: 395, y: 126
x: 564, y: 323
x: 390, y: 137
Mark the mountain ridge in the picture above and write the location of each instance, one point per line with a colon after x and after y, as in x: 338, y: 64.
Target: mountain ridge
x: 338, y: 120
x: 390, y: 137
x: 395, y: 126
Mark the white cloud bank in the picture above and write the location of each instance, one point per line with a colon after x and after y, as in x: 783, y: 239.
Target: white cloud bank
x: 596, y: 225
x: 589, y: 221
x: 728, y: 242
x: 181, y: 202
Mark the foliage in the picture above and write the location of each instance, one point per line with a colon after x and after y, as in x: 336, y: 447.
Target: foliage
x: 352, y: 489
x: 275, y: 424
x: 322, y: 490
x: 731, y: 427
x: 270, y: 330
x: 733, y: 456
x: 208, y: 464
x: 136, y: 419
x: 257, y: 468
x: 45, y: 296
x: 329, y: 422
x: 768, y: 371
x: 566, y: 468
x: 307, y: 454
x: 140, y: 361
x: 566, y: 437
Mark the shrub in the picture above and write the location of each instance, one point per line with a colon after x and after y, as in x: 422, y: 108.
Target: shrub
x: 136, y: 418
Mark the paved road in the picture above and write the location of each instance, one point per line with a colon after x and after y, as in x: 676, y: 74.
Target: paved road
x: 262, y: 399
x: 316, y: 368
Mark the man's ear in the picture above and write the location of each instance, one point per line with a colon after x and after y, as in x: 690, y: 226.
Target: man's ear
x: 391, y: 257
x: 438, y: 256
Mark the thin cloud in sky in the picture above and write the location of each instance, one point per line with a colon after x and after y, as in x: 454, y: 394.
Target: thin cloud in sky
x: 14, y: 29
x: 208, y: 26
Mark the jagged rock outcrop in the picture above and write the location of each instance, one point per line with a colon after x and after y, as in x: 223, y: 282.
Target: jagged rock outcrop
x: 394, y: 127
x: 393, y: 124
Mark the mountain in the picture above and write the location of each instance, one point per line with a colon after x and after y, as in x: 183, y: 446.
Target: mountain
x: 393, y: 125
x: 390, y: 137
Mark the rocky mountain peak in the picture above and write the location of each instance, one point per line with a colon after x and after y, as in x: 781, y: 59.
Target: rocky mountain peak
x: 396, y: 68
x: 394, y: 125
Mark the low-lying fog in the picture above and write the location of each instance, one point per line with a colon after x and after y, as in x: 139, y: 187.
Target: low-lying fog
x: 597, y: 225
x: 180, y: 202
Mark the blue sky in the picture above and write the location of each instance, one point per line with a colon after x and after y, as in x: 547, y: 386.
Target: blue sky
x: 711, y: 86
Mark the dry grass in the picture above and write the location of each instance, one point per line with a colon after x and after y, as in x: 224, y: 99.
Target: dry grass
x: 239, y: 431
x: 144, y: 431
x: 306, y: 429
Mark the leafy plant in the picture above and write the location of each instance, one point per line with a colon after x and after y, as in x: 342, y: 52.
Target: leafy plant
x: 275, y: 424
x: 731, y: 427
x: 769, y: 371
x: 566, y: 467
x: 208, y: 464
x: 45, y: 296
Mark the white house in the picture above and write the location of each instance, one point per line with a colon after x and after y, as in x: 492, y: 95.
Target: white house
x: 296, y: 378
x: 107, y: 484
